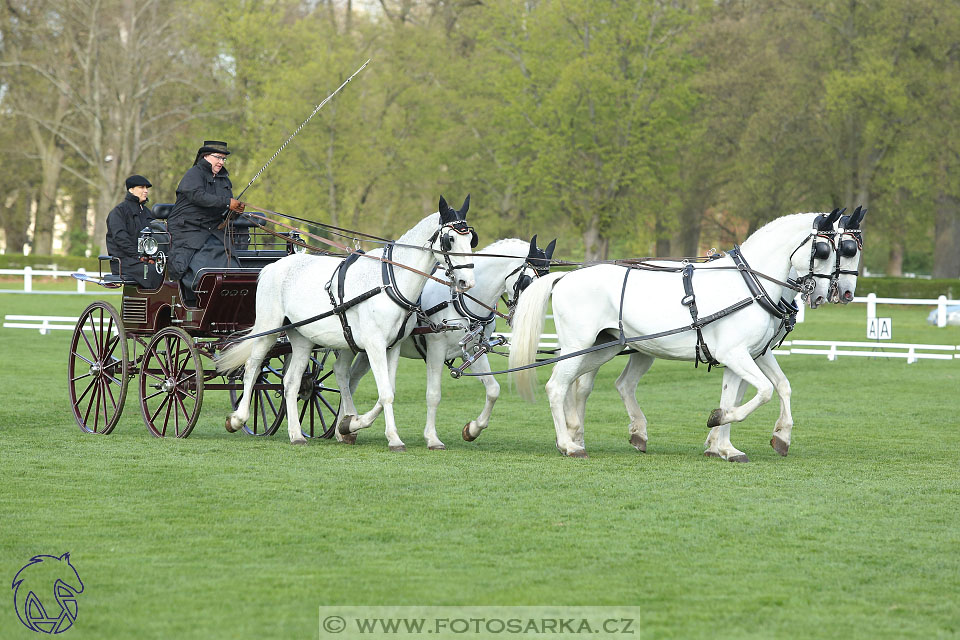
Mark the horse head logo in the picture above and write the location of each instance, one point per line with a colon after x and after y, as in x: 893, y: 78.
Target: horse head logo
x: 45, y: 593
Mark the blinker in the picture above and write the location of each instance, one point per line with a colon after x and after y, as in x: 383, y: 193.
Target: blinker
x: 848, y: 248
x: 821, y: 250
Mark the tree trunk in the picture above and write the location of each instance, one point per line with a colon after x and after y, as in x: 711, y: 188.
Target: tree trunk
x: 595, y: 244
x: 47, y: 205
x: 78, y: 236
x: 895, y: 259
x: 16, y: 220
x: 946, y: 248
x: 686, y: 241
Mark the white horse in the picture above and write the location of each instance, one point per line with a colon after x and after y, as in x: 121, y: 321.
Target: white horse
x: 587, y: 311
x: 375, y: 300
x: 513, y: 265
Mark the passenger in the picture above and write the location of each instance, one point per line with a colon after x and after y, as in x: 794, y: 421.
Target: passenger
x: 204, y: 197
x: 124, y: 223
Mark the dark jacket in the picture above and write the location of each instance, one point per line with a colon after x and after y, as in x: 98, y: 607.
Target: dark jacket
x: 124, y: 223
x: 202, y: 201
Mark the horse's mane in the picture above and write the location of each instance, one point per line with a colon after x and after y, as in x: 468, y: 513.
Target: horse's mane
x: 777, y: 224
x: 507, y: 246
x: 422, y: 230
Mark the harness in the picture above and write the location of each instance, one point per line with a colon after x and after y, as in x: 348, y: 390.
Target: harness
x: 783, y: 310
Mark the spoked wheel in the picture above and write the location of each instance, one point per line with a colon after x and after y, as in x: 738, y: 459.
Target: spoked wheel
x: 97, y: 369
x: 318, y: 400
x: 171, y: 384
x: 266, y: 408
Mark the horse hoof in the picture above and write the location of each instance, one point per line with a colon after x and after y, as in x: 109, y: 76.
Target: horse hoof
x: 343, y: 427
x: 299, y: 441
x: 579, y: 453
x: 398, y: 447
x: 715, y: 418
x: 228, y: 426
x: 779, y: 445
x: 640, y: 444
x: 740, y: 458
x: 466, y: 433
x: 348, y: 438
x: 438, y: 447
x: 711, y: 454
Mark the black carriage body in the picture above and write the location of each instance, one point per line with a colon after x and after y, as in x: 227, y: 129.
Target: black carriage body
x: 168, y: 346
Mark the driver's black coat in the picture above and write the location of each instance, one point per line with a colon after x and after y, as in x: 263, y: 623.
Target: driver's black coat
x: 202, y: 201
x: 124, y: 223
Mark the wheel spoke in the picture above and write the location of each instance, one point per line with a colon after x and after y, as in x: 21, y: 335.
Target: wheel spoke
x: 111, y: 344
x: 83, y: 334
x: 153, y: 395
x: 94, y: 398
x: 166, y: 417
x: 153, y: 352
x: 89, y: 386
x: 89, y: 362
x: 329, y: 406
x: 153, y: 418
x: 96, y: 337
x: 113, y: 400
x: 80, y: 377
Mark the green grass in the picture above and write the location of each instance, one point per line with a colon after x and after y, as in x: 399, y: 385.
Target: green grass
x: 854, y: 535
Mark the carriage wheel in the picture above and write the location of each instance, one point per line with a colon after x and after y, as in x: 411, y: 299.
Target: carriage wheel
x: 97, y: 369
x: 171, y: 384
x: 318, y: 400
x: 266, y: 408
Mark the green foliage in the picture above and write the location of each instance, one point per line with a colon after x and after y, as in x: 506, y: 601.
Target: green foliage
x: 909, y: 287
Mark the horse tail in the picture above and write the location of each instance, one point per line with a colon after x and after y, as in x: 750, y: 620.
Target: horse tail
x: 269, y: 316
x: 527, y: 326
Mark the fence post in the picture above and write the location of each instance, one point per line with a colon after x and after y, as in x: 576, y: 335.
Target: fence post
x: 28, y: 279
x: 832, y: 354
x: 942, y: 311
x: 911, y: 355
x: 871, y: 306
x: 81, y: 284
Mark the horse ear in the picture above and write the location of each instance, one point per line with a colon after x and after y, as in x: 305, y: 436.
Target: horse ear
x: 465, y: 207
x: 857, y: 217
x: 550, y: 248
x: 532, y: 253
x: 443, y: 206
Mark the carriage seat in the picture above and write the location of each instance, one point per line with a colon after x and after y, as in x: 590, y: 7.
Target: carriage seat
x: 162, y: 211
x: 113, y: 278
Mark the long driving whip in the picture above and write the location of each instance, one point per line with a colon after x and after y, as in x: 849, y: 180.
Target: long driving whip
x: 302, y: 125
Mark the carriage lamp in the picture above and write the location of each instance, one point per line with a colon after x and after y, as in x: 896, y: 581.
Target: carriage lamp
x: 292, y: 245
x: 151, y: 241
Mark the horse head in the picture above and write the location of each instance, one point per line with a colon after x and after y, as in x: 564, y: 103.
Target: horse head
x: 452, y: 244
x: 848, y: 256
x: 816, y: 266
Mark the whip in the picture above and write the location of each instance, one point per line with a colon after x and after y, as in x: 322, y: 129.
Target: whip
x: 302, y: 125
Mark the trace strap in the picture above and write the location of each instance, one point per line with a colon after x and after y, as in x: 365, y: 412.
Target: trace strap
x: 784, y: 311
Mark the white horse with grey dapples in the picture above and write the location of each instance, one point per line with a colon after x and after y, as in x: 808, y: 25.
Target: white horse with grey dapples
x: 293, y: 287
x: 509, y: 266
x: 842, y: 244
x: 587, y: 304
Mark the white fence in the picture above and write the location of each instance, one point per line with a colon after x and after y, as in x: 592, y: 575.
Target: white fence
x: 942, y: 303
x: 29, y: 272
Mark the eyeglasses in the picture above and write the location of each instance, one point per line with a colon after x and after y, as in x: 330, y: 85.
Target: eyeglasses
x: 220, y: 158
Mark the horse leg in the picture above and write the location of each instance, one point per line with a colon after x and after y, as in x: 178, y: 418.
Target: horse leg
x: 784, y: 426
x: 739, y: 362
x: 251, y: 371
x: 637, y: 365
x: 435, y: 353
x: 471, y: 430
x: 383, y: 363
x: 575, y: 405
x: 292, y: 376
x: 348, y: 377
x: 739, y: 385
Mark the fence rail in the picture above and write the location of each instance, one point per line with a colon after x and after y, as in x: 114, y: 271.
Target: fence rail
x: 832, y: 349
x: 29, y: 272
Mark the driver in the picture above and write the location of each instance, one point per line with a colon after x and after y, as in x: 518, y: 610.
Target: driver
x: 124, y: 223
x: 204, y: 197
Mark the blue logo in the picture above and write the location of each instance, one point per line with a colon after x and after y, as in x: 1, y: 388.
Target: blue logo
x: 45, y: 594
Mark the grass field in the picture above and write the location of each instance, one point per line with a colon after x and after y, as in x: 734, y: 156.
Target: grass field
x: 855, y: 534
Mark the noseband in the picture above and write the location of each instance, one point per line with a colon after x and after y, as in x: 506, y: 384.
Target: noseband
x: 459, y: 227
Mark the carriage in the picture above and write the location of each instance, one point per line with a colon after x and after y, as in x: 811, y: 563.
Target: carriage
x: 167, y: 344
